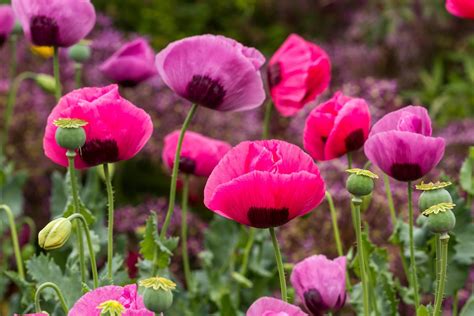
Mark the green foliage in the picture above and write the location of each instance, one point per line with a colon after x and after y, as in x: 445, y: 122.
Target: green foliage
x: 468, y: 308
x: 466, y: 175
x: 11, y: 189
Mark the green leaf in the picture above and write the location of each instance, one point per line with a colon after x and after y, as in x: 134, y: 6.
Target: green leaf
x: 69, y: 210
x: 424, y: 310
x: 11, y: 193
x: 468, y: 308
x: 466, y: 175
x: 221, y: 238
x: 227, y: 308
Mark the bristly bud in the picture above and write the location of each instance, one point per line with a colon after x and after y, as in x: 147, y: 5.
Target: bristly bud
x: 80, y: 52
x: 46, y: 82
x: 70, y: 133
x: 441, y: 218
x: 433, y: 194
x: 55, y: 234
x: 360, y: 182
x: 158, y: 295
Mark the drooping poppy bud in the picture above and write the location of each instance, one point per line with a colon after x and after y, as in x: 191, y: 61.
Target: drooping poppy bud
x: 55, y: 234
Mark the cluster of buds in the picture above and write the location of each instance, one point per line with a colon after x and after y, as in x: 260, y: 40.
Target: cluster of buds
x: 437, y: 204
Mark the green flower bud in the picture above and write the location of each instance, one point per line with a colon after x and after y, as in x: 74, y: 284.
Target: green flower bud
x: 79, y: 53
x: 433, y: 194
x: 441, y: 219
x: 55, y: 234
x: 158, y: 295
x: 360, y: 182
x: 46, y: 82
x: 70, y: 134
x: 27, y: 252
x: 17, y: 28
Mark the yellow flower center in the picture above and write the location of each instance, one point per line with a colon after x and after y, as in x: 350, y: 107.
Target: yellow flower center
x: 45, y: 52
x: 158, y: 283
x: 111, y: 308
x: 69, y: 123
x: 362, y: 172
x: 432, y: 186
x: 441, y: 207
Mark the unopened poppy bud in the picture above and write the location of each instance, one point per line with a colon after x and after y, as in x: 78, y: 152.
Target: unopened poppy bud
x: 70, y: 134
x: 55, y: 234
x: 79, y: 53
x: 433, y: 193
x: 441, y: 218
x: 360, y: 182
x: 46, y: 82
x: 158, y: 295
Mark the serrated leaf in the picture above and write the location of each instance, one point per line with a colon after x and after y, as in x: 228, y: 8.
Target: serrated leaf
x: 11, y: 193
x: 423, y: 311
x: 468, y: 308
x: 148, y: 245
x: 466, y: 175
x: 69, y: 210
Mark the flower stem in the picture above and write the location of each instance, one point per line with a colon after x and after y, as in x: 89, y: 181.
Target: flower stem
x: 455, y: 304
x: 266, y: 119
x: 335, y: 226
x: 11, y: 100
x: 414, y: 277
x: 444, y: 240
x: 174, y: 175
x: 71, y: 154
x: 248, y: 248
x: 184, y: 234
x: 110, y: 232
x: 58, y: 293
x: 95, y: 275
x: 57, y: 78
x: 388, y: 192
x: 14, y: 61
x: 356, y: 202
x: 279, y: 261
x: 14, y: 235
x: 78, y: 75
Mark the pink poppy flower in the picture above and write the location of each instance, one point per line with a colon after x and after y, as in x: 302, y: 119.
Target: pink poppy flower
x: 298, y: 72
x: 60, y: 23
x: 126, y: 300
x: 269, y: 306
x: 461, y: 8
x: 320, y: 283
x: 131, y: 64
x: 7, y: 21
x: 213, y: 71
x: 35, y: 314
x: 336, y: 127
x: 254, y: 184
x: 401, y: 144
x: 116, y: 130
x: 199, y: 154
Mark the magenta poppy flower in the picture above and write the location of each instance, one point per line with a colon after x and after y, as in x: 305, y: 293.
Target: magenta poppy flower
x: 298, y: 72
x: 35, y: 314
x: 131, y: 64
x: 7, y: 21
x: 254, y: 184
x: 116, y: 129
x: 269, y: 306
x: 124, y: 301
x: 320, y: 283
x: 199, y: 154
x: 461, y: 8
x: 336, y: 127
x: 401, y: 144
x: 60, y: 23
x: 213, y: 71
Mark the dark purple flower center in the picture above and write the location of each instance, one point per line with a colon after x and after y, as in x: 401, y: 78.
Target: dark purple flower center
x: 274, y: 74
x: 128, y: 83
x: 314, y: 302
x: 264, y: 217
x: 324, y: 139
x: 205, y: 91
x: 44, y: 31
x: 406, y: 171
x: 3, y: 39
x: 355, y: 140
x: 187, y: 165
x: 99, y: 151
x: 341, y: 301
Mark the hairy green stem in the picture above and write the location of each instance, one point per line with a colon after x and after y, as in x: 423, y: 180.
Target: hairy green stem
x: 455, y: 304
x: 58, y: 293
x: 444, y: 240
x: 11, y: 100
x: 391, y: 206
x: 184, y: 234
x: 14, y: 236
x: 57, y: 91
x: 174, y: 174
x: 356, y: 202
x: 279, y: 262
x: 335, y: 226
x: 110, y: 230
x: 14, y: 58
x: 78, y: 75
x: 82, y: 219
x: 413, y: 273
x: 71, y: 154
x: 266, y: 119
x: 248, y: 248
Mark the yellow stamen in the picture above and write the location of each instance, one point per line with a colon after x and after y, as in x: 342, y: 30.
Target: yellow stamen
x: 111, y: 308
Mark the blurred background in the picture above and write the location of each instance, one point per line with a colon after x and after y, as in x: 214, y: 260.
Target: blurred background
x: 392, y: 53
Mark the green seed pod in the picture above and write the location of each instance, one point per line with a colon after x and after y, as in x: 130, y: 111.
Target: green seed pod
x: 443, y: 222
x: 46, y: 82
x: 70, y: 138
x: 360, y: 182
x: 79, y: 53
x: 55, y: 234
x: 158, y: 295
x: 433, y: 194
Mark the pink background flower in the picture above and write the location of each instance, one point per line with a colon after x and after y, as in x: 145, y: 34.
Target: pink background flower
x: 269, y: 306
x: 264, y: 184
x: 461, y: 8
x: 7, y: 21
x: 297, y: 73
